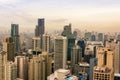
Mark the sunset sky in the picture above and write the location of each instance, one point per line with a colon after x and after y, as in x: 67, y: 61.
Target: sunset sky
x: 93, y: 15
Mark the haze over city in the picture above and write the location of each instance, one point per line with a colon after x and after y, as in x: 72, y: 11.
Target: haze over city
x: 59, y: 40
x: 93, y: 15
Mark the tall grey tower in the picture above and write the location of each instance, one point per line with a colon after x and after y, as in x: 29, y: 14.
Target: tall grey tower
x: 15, y: 36
x: 40, y: 28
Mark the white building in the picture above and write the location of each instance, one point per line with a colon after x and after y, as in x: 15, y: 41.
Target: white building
x: 62, y: 74
x: 36, y: 43
x: 10, y: 71
x: 46, y: 43
x: 60, y: 49
x: 90, y: 46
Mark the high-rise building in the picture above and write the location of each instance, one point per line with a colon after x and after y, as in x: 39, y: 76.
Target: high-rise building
x: 10, y: 71
x: 37, y: 68
x: 87, y: 36
x: 40, y: 28
x: 90, y: 47
x: 36, y: 43
x: 81, y: 43
x: 67, y: 32
x: 60, y: 50
x: 105, y: 67
x: 8, y: 46
x: 100, y: 37
x: 46, y: 43
x: 93, y: 62
x: 71, y: 43
x: 22, y: 67
x: 76, y: 55
x: 15, y: 36
x: 116, y: 47
x: 118, y: 37
x: 93, y: 37
x: 3, y: 60
x: 40, y: 66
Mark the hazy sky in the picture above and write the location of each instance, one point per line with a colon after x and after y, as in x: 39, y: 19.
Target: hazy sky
x: 99, y: 15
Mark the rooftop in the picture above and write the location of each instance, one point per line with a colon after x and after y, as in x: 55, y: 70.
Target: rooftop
x: 102, y: 69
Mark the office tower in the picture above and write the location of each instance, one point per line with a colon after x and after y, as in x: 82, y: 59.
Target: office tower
x: 8, y: 46
x: 48, y: 57
x: 37, y: 33
x: 71, y: 43
x: 36, y: 43
x: 91, y: 47
x: 93, y: 37
x: 76, y: 55
x: 46, y: 43
x: 93, y: 62
x: 40, y: 30
x: 67, y: 32
x: 22, y: 67
x: 10, y: 71
x: 15, y: 36
x: 106, y: 37
x: 81, y: 43
x: 3, y: 60
x: 100, y: 37
x: 105, y: 67
x: 116, y: 47
x: 60, y: 50
x: 41, y: 26
x: 75, y: 34
x: 37, y: 68
x: 118, y: 37
x: 87, y: 36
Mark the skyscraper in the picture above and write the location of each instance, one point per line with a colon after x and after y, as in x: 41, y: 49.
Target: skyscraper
x: 8, y: 46
x: 93, y: 37
x: 100, y: 37
x: 76, y: 55
x: 81, y: 43
x: 87, y: 36
x: 60, y: 50
x: 15, y: 36
x: 36, y: 41
x: 67, y: 32
x: 116, y: 47
x: 22, y: 67
x: 37, y: 68
x: 10, y: 71
x: 46, y: 43
x: 40, y: 29
x: 3, y: 60
x: 71, y: 43
x: 93, y: 62
x: 104, y: 69
x: 40, y: 66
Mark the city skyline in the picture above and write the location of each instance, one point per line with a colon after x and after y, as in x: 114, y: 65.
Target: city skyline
x: 92, y: 15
